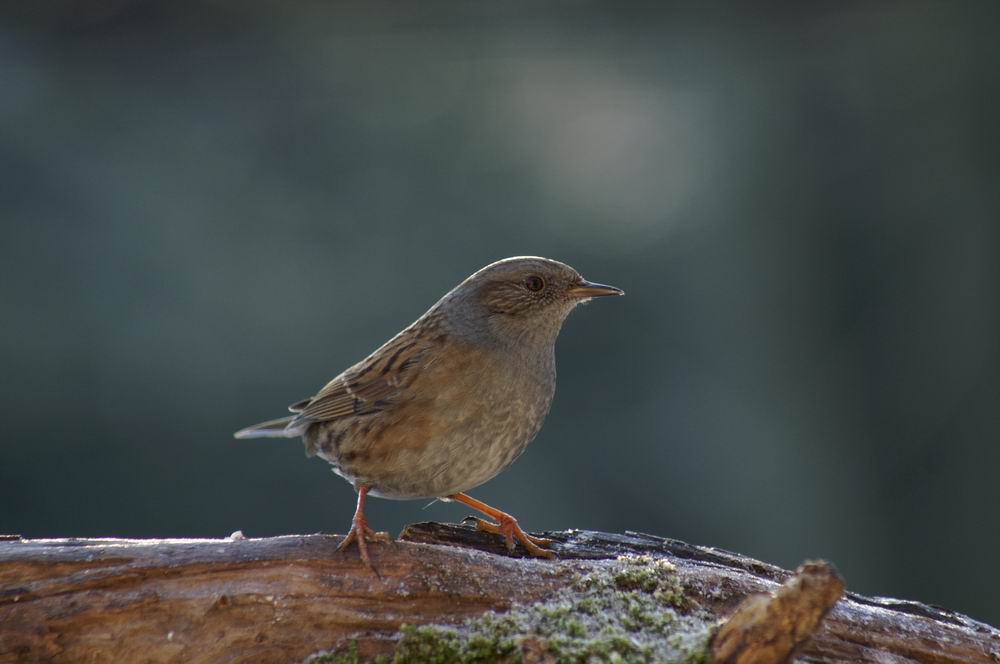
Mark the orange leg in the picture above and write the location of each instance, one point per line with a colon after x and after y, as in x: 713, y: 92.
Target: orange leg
x: 361, y: 533
x: 505, y: 525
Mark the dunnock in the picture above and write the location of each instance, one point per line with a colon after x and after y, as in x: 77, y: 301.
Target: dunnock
x: 450, y: 401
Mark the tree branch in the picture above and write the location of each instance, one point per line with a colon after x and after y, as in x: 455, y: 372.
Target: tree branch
x: 284, y: 598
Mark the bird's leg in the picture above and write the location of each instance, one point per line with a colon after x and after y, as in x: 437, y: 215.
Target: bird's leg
x: 505, y: 525
x: 361, y: 532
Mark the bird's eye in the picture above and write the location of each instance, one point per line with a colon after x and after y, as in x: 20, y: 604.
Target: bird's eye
x: 534, y: 283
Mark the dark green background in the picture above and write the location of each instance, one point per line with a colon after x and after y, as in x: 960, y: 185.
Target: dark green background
x: 209, y: 210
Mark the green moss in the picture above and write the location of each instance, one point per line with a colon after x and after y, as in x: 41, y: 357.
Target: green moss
x: 652, y: 576
x: 349, y: 655
x: 628, y: 610
x: 442, y: 645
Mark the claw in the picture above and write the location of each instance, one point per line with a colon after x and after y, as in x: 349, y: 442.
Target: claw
x: 511, y: 532
x: 362, y: 534
x: 505, y: 526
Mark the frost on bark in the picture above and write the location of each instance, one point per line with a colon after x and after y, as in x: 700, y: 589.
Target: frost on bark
x: 449, y: 593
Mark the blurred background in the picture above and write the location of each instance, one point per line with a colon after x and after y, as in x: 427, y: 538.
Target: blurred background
x: 208, y: 210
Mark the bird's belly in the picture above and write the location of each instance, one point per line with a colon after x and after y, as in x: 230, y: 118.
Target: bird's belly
x: 463, y: 450
x: 459, y: 459
x: 449, y: 439
x: 468, y: 461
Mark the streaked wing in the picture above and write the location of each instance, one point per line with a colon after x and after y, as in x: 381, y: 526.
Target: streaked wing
x: 370, y: 385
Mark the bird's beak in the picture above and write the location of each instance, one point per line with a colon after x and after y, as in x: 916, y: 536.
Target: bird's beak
x: 589, y: 289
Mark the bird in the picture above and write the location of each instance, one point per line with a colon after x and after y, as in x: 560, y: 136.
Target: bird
x: 449, y: 402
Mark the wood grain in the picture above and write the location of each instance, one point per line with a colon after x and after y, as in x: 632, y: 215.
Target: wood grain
x: 280, y: 599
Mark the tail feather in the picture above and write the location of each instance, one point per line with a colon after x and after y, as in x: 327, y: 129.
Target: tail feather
x: 278, y: 428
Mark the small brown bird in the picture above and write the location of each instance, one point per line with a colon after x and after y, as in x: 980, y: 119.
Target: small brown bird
x: 450, y: 401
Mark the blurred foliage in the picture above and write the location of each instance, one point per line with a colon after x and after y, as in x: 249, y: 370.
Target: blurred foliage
x: 210, y: 209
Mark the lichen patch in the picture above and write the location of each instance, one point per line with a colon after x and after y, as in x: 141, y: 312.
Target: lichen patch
x: 632, y: 609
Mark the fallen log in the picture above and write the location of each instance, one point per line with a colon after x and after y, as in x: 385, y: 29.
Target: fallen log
x: 446, y: 592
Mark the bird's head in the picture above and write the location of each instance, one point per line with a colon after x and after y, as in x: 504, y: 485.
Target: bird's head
x: 526, y: 295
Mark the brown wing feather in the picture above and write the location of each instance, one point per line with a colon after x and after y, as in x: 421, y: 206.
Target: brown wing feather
x: 369, y: 385
x: 299, y: 406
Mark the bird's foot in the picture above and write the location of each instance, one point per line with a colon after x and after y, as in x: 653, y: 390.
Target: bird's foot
x: 510, y: 531
x: 362, y: 534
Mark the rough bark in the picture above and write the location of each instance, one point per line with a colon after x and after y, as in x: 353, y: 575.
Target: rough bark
x: 281, y: 599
